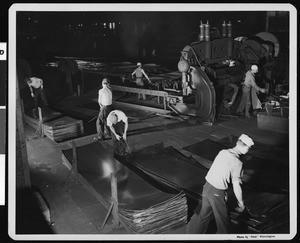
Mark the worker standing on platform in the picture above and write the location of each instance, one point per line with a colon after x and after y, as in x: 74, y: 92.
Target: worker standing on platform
x: 226, y: 168
x: 139, y: 73
x: 36, y: 86
x: 249, y: 96
x: 117, y: 121
x: 105, y: 103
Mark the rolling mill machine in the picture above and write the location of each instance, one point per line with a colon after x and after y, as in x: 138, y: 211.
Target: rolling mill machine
x: 215, y: 65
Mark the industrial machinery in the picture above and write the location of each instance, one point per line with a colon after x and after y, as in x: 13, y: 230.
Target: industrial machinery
x: 210, y: 73
x: 214, y: 66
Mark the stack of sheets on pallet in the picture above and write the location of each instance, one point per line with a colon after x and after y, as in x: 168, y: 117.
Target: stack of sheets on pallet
x: 170, y: 167
x: 158, y: 218
x: 144, y: 208
x: 56, y: 126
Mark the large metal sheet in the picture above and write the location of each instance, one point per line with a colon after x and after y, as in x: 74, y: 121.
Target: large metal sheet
x: 169, y: 166
x: 143, y: 207
x: 261, y: 174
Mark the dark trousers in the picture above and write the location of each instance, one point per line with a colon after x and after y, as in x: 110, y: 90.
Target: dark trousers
x: 213, y: 204
x: 39, y: 98
x: 101, y: 120
x: 39, y: 101
x: 119, y: 145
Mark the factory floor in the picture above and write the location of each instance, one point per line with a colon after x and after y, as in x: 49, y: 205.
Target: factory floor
x: 74, y: 210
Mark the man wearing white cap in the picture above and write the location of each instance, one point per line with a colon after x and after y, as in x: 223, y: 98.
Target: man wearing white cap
x: 226, y: 168
x: 105, y: 103
x: 139, y: 73
x: 250, y: 89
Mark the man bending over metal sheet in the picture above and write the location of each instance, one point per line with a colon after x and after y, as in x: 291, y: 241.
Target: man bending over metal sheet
x: 226, y: 168
x: 117, y: 121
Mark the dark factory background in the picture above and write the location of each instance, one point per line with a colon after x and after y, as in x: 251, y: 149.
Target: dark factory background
x: 148, y: 36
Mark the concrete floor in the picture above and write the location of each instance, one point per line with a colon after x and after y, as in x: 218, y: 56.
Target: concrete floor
x: 74, y: 210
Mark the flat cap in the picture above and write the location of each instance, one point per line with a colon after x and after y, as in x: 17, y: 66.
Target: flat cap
x: 105, y: 81
x: 246, y: 140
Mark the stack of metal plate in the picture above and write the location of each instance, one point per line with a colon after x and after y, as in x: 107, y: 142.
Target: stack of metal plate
x: 159, y: 218
x: 56, y: 126
x: 63, y: 128
x: 143, y: 207
x: 172, y: 168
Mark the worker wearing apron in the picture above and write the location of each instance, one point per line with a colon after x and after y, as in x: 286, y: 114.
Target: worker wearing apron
x: 226, y: 168
x: 139, y: 73
x: 247, y: 98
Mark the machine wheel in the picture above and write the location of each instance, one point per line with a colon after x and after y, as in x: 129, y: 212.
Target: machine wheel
x: 183, y: 66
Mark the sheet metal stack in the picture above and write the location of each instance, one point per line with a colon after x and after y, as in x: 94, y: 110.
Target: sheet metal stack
x: 159, y: 218
x: 56, y: 126
x: 266, y: 210
x: 143, y: 208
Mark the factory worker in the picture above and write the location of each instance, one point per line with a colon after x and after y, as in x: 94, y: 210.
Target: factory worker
x: 117, y: 121
x: 249, y: 96
x: 139, y: 73
x: 226, y: 168
x: 36, y: 86
x: 105, y: 104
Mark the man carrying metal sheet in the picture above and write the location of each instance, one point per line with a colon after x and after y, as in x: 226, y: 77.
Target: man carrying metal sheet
x: 117, y: 121
x: 139, y: 73
x: 105, y: 103
x: 226, y: 168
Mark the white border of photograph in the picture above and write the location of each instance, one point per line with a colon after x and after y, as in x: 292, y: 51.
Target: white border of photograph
x: 150, y: 7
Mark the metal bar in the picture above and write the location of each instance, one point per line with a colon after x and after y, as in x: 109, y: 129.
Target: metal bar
x: 21, y: 147
x: 140, y: 107
x: 41, y: 122
x: 137, y: 90
x: 107, y: 215
x: 75, y: 161
x: 114, y: 194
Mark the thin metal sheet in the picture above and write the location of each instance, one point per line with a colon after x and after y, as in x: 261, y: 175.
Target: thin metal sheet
x: 169, y: 166
x: 143, y: 207
x: 261, y: 174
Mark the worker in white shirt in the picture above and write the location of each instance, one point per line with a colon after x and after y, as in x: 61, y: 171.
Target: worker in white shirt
x: 139, y: 73
x: 227, y: 168
x: 117, y: 121
x: 105, y: 104
x: 36, y: 86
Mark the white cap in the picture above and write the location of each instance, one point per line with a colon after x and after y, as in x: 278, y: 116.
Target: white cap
x: 139, y: 64
x: 105, y: 81
x: 254, y: 67
x: 246, y: 140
